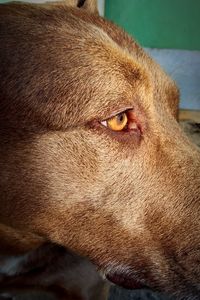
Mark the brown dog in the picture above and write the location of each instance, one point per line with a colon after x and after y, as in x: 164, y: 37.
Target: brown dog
x: 91, y: 155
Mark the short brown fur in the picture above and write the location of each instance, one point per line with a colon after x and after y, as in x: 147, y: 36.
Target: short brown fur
x: 130, y: 203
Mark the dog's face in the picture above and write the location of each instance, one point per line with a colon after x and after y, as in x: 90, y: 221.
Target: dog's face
x: 92, y: 156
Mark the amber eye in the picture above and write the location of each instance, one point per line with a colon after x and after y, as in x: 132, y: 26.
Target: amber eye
x: 117, y: 123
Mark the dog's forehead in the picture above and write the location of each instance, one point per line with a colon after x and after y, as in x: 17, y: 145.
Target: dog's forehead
x: 70, y: 61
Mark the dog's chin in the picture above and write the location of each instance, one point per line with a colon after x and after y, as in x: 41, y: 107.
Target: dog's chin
x: 125, y: 281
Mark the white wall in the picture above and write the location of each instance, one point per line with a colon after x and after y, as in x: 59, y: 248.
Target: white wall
x: 101, y: 6
x: 184, y: 67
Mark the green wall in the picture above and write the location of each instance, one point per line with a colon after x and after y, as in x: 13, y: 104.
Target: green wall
x: 159, y: 23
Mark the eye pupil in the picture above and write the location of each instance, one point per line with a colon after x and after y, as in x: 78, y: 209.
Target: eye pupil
x: 121, y: 117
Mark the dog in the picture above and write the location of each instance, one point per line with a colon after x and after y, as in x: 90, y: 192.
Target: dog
x: 93, y: 161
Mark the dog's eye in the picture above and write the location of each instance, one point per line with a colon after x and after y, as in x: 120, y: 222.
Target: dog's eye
x: 117, y: 123
x: 124, y: 121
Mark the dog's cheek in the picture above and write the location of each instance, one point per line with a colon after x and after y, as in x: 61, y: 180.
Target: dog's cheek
x: 86, y: 183
x: 49, y: 173
x: 60, y: 170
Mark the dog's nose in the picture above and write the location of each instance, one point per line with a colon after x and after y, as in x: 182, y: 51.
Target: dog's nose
x: 125, y: 281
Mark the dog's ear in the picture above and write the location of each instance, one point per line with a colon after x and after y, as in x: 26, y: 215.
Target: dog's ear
x: 89, y: 5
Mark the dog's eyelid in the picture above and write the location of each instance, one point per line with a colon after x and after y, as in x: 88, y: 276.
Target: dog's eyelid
x: 103, y: 121
x: 117, y: 112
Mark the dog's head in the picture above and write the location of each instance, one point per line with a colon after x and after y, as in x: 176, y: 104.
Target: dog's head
x: 91, y: 154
